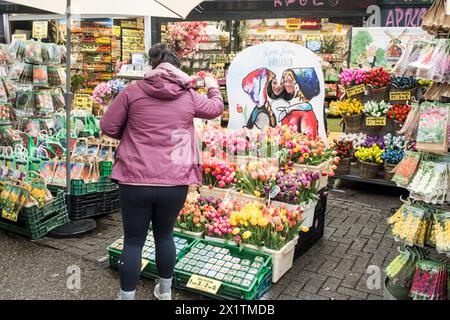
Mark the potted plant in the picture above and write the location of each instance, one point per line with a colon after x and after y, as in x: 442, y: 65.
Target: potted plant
x: 369, y: 161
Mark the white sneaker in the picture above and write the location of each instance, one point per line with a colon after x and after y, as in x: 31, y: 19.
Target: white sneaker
x: 162, y: 296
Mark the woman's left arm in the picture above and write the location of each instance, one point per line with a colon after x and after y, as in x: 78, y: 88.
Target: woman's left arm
x: 114, y: 120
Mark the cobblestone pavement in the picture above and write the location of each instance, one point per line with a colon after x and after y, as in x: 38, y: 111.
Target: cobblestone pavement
x: 356, y: 237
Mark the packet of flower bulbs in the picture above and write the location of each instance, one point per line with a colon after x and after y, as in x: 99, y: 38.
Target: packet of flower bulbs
x: 25, y: 104
x: 17, y: 49
x: 407, y: 168
x: 40, y: 76
x: 5, y: 55
x: 33, y: 52
x: 442, y: 231
x: 7, y: 163
x: 16, y: 71
x: 44, y: 104
x: 38, y: 189
x: 10, y: 88
x: 412, y: 225
x: 27, y: 74
x: 47, y: 170
x: 432, y: 135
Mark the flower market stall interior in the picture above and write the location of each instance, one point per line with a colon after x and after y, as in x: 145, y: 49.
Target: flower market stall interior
x: 263, y: 200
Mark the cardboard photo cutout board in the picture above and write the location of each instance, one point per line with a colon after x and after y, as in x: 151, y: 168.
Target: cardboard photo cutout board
x: 277, y: 83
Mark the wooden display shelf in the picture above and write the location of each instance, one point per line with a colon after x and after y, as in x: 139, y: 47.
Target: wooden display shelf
x: 354, y: 176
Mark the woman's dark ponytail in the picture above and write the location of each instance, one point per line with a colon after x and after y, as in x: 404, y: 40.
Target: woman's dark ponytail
x: 160, y: 53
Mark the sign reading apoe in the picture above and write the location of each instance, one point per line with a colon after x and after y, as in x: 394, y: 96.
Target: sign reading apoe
x: 306, y: 3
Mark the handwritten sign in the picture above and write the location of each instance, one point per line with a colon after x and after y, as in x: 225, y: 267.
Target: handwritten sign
x: 376, y: 121
x: 82, y: 101
x: 313, y: 37
x: 353, y: 91
x: 293, y: 24
x: 204, y: 284
x: 40, y: 29
x: 400, y: 96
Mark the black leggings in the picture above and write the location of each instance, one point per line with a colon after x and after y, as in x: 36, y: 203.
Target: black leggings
x: 140, y: 206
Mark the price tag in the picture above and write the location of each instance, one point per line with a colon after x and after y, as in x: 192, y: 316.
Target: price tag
x: 400, y: 96
x: 293, y: 24
x: 353, y: 91
x: 204, y: 284
x: 376, y: 121
x: 313, y: 37
x: 40, y: 29
x: 9, y: 216
x: 339, y: 28
x: 22, y: 37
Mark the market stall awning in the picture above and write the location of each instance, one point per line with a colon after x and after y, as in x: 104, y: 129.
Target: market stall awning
x: 160, y: 8
x: 11, y: 8
x: 267, y: 9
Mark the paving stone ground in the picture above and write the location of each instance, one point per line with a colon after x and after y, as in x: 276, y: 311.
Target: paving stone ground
x: 336, y: 268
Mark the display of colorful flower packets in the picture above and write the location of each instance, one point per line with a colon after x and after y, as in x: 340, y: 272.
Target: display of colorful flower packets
x: 407, y: 168
x: 442, y: 231
x: 430, y: 281
x: 219, y: 263
x: 433, y: 128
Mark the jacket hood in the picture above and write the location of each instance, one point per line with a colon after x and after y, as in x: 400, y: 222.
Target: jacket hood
x: 166, y: 82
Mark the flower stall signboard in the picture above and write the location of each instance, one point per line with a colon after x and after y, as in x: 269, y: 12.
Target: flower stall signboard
x: 277, y: 83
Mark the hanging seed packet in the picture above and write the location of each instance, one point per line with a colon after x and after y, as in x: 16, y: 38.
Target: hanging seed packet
x: 5, y: 55
x: 58, y: 100
x: 81, y: 148
x: 53, y: 77
x: 5, y: 113
x: 20, y: 169
x: 38, y: 188
x: 25, y: 104
x: 10, y: 88
x: 17, y: 49
x: 442, y: 231
x: 427, y: 282
x: 47, y: 170
x: 432, y: 133
x: 16, y: 71
x: 54, y: 54
x: 8, y: 169
x: 27, y: 74
x: 33, y: 52
x: 76, y: 169
x: 3, y: 94
x: 40, y: 76
x: 407, y: 168
x: 44, y: 104
x: 59, y: 179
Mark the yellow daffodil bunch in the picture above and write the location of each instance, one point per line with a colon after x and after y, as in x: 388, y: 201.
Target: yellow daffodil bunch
x: 347, y: 108
x: 371, y: 155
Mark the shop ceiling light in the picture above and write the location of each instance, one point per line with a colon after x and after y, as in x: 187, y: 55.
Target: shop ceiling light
x: 155, y: 8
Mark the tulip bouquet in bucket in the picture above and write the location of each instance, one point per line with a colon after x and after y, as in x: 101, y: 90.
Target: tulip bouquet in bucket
x: 192, y: 217
x: 378, y: 81
x: 350, y: 78
x: 351, y: 112
x: 295, y: 186
x: 253, y: 177
x: 345, y: 151
x: 369, y: 161
x: 218, y: 174
x: 265, y: 226
x: 218, y: 221
x: 391, y: 158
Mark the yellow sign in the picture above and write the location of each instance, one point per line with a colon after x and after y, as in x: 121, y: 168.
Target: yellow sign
x: 117, y: 31
x: 204, y: 284
x: 40, y: 29
x: 353, y: 91
x: 339, y: 28
x: 376, y: 121
x: 400, y: 96
x: 293, y: 24
x: 82, y: 101
x: 313, y: 37
x: 22, y: 37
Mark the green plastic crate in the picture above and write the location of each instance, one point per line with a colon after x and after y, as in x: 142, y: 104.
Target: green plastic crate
x: 35, y: 223
x: 150, y: 271
x: 229, y: 290
x: 80, y: 188
x: 105, y: 185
